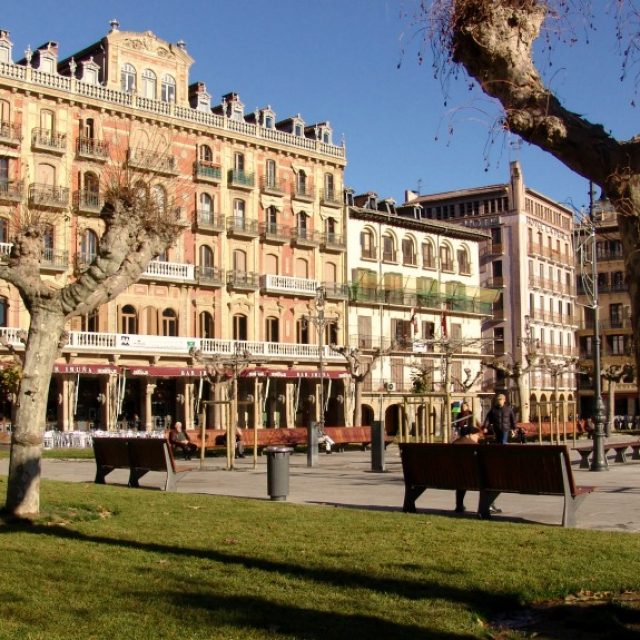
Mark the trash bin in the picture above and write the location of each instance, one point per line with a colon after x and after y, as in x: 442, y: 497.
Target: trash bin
x: 278, y: 472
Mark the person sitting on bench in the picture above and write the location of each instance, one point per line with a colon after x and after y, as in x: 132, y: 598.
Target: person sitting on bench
x: 179, y: 439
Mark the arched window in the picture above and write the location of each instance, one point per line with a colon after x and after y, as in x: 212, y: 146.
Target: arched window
x: 159, y: 196
x: 388, y: 248
x: 205, y: 325
x: 428, y: 255
x: 204, y: 153
x: 169, y: 323
x: 302, y: 331
x: 464, y: 263
x: 272, y: 329
x: 240, y: 327
x: 91, y: 191
x: 409, y: 252
x: 329, y: 188
x: 128, y: 78
x: 446, y: 259
x: 270, y: 174
x: 368, y: 245
x: 88, y: 246
x: 331, y: 332
x: 301, y: 183
x: 272, y: 220
x: 206, y: 261
x: 239, y: 213
x: 302, y: 268
x: 239, y: 261
x: 330, y: 272
x: 168, y: 89
x: 330, y: 229
x: 149, y: 84
x: 128, y: 319
x: 205, y: 204
x: 271, y: 264
x: 302, y: 225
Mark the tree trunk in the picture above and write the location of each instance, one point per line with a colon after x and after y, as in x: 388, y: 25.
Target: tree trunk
x: 23, y: 489
x: 357, y: 410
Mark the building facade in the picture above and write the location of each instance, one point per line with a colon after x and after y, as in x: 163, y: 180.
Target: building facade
x: 530, y: 256
x: 416, y: 308
x: 260, y: 199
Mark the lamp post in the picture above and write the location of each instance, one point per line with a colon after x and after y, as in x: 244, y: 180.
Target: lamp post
x: 319, y: 320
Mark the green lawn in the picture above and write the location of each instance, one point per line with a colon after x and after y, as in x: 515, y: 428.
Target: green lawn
x: 111, y: 562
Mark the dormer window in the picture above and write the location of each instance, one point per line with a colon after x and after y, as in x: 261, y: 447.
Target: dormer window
x: 128, y: 78
x: 297, y: 130
x: 269, y: 122
x: 168, y: 93
x: 149, y: 84
x: 5, y: 52
x: 47, y: 63
x: 90, y: 72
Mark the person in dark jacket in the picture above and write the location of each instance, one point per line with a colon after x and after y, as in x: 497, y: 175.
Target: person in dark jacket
x: 500, y: 420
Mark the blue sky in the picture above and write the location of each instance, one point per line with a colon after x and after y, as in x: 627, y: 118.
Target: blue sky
x: 337, y: 60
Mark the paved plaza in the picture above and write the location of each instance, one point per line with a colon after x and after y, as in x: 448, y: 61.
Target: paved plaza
x: 345, y: 480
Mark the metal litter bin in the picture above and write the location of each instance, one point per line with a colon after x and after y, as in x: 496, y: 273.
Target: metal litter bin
x: 278, y: 472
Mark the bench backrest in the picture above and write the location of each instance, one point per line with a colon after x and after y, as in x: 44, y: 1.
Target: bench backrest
x: 111, y: 452
x: 153, y: 454
x: 266, y: 437
x: 535, y: 469
x: 440, y: 466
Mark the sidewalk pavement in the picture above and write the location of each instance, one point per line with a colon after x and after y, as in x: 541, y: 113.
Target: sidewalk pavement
x: 346, y: 480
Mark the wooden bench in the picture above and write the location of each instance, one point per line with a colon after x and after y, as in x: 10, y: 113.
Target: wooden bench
x: 620, y: 449
x: 491, y: 470
x: 342, y: 436
x: 139, y: 455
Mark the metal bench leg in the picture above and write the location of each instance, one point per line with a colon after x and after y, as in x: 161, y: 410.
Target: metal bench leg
x: 635, y: 449
x: 172, y: 481
x: 134, y: 477
x: 621, y: 455
x: 411, y: 494
x: 584, y: 458
x: 571, y: 506
x: 101, y: 473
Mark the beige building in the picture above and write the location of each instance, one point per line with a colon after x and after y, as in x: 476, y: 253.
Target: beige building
x: 530, y: 256
x: 260, y: 199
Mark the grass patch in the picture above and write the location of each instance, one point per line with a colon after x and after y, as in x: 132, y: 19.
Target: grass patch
x: 111, y: 562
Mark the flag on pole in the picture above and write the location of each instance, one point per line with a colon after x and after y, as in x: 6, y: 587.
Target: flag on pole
x: 414, y: 321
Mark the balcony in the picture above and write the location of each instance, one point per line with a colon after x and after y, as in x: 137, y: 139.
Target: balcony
x: 88, y: 201
x: 204, y: 171
x: 276, y: 233
x: 606, y: 256
x: 242, y: 227
x: 336, y: 290
x: 304, y: 237
x: 208, y: 221
x: 243, y: 280
x: 241, y: 179
x: 169, y: 271
x: 330, y: 198
x: 304, y: 192
x: 46, y: 140
x: 272, y: 186
x: 10, y: 191
x: 497, y: 282
x: 10, y: 134
x: 491, y: 249
x: 92, y: 149
x: 44, y: 195
x: 333, y: 242
x: 288, y: 285
x: 54, y: 260
x: 210, y: 276
x: 163, y: 163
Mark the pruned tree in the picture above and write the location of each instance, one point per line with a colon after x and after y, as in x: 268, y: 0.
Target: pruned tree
x: 493, y: 40
x: 137, y: 228
x: 359, y: 367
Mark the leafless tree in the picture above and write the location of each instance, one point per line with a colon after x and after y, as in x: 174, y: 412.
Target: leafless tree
x: 493, y: 40
x: 137, y: 228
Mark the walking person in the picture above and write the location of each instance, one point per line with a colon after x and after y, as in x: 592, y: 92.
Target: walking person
x: 500, y: 420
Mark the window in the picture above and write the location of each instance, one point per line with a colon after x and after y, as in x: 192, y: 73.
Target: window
x: 169, y: 323
x: 4, y: 308
x: 270, y: 174
x: 401, y: 333
x: 615, y: 314
x: 330, y: 229
x: 128, y: 78
x: 367, y: 244
x: 238, y: 162
x: 47, y: 121
x: 301, y: 183
x: 205, y: 205
x: 272, y: 329
x: 90, y: 75
x: 90, y: 322
x: 168, y: 88
x: 239, y: 327
x: 302, y: 331
x: 47, y: 64
x: 239, y: 212
x: 428, y: 256
x: 464, y: 265
x: 4, y: 171
x: 408, y: 251
x: 5, y: 53
x: 206, y: 258
x: 302, y: 224
x: 149, y: 84
x: 239, y: 261
x: 4, y: 230
x: 331, y: 332
x: 205, y: 325
x: 128, y: 319
x: 446, y: 259
x: 617, y: 345
x: 388, y: 249
x: 329, y: 189
x: 298, y: 131
x: 272, y: 220
x: 159, y: 196
x: 205, y: 154
x: 5, y: 111
x: 88, y: 246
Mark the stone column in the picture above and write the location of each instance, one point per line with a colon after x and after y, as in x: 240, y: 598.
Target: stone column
x: 147, y: 417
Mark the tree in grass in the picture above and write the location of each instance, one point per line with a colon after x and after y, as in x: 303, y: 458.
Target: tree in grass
x: 138, y: 226
x: 493, y: 41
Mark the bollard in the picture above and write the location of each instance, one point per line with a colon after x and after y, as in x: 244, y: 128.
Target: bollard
x: 312, y: 444
x: 377, y: 446
x: 278, y: 472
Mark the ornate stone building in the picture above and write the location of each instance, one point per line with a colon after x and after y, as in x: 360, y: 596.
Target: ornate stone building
x: 261, y: 204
